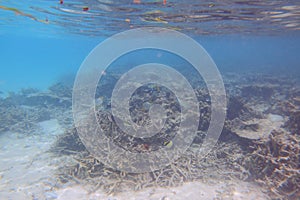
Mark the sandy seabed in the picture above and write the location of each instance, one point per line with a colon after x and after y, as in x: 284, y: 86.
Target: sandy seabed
x: 27, y: 171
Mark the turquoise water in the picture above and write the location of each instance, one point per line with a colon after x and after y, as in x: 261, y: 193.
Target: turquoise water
x: 237, y: 35
x: 254, y: 44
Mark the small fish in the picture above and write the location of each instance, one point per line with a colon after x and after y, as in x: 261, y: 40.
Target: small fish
x: 168, y: 144
x: 211, y: 5
x: 146, y: 147
x: 126, y: 123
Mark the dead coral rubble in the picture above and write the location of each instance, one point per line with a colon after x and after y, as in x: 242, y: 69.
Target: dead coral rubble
x: 20, y: 118
x: 224, y: 161
x: 20, y: 111
x: 275, y: 162
x: 272, y: 161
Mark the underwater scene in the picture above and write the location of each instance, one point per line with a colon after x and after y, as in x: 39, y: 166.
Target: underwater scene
x: 150, y: 100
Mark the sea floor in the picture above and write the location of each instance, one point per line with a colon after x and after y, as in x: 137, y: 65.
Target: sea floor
x: 32, y: 122
x: 28, y: 171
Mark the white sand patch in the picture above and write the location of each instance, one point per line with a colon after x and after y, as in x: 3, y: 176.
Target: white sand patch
x: 26, y: 168
x: 51, y: 127
x: 233, y: 190
x: 265, y: 126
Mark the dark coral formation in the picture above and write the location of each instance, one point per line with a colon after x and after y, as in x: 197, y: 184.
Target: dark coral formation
x: 68, y: 143
x: 292, y: 109
x: 22, y: 110
x: 16, y: 117
x: 61, y: 90
x: 235, y: 108
x: 257, y: 91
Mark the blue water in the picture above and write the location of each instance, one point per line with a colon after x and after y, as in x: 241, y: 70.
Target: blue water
x: 32, y: 61
x: 37, y: 61
x: 35, y: 54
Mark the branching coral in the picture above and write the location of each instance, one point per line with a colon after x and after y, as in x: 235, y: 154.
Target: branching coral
x: 275, y: 162
x: 225, y: 161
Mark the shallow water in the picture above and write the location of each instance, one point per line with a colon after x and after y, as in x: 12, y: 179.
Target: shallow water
x: 255, y: 46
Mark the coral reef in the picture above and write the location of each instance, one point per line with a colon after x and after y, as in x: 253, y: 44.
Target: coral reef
x: 292, y: 109
x: 68, y: 143
x: 246, y: 150
x: 257, y: 91
x: 293, y: 124
x: 225, y: 161
x: 61, y: 90
x: 20, y: 111
x: 20, y: 118
x: 275, y: 163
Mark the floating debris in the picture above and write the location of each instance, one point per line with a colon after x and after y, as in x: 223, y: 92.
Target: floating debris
x: 154, y: 20
x: 18, y: 12
x: 85, y: 8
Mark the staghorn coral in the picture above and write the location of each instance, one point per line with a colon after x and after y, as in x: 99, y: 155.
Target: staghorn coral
x: 224, y: 161
x: 275, y: 162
